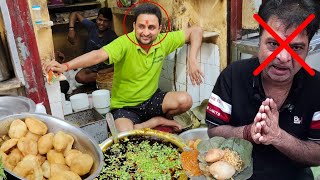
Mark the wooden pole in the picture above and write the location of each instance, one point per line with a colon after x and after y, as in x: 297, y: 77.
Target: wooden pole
x: 24, y: 36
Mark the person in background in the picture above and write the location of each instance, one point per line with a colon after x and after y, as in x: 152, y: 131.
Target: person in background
x: 99, y: 35
x: 64, y: 85
x: 278, y: 110
x: 136, y: 101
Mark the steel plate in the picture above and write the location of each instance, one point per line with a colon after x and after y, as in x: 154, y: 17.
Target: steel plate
x: 193, y: 134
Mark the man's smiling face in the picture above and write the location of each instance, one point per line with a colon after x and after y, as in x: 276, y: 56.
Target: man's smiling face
x: 147, y: 29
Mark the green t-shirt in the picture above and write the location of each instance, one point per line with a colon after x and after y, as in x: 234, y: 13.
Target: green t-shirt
x: 136, y: 73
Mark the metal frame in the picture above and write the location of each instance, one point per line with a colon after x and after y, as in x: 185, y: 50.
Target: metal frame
x: 234, y: 24
x: 251, y: 46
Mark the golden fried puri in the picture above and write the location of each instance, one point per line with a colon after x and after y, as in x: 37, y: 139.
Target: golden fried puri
x: 70, y: 155
x: 60, y: 141
x: 26, y: 165
x: 57, y: 169
x: 30, y: 176
x: 27, y: 146
x: 4, y: 158
x: 55, y: 157
x: 17, y: 129
x: 14, y: 157
x: 82, y: 164
x: 45, y: 143
x: 5, y: 137
x: 7, y: 165
x: 41, y: 159
x: 66, y: 175
x: 70, y: 175
x: 36, y: 174
x: 36, y: 126
x: 46, y: 169
x: 32, y: 136
x: 58, y: 177
x: 8, y: 144
x: 69, y: 144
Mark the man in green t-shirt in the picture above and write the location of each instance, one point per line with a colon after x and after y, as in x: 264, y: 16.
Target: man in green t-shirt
x: 136, y: 101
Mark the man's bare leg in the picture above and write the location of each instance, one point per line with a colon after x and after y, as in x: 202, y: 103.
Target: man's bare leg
x: 86, y: 76
x: 175, y: 103
x: 158, y: 121
x: 124, y: 124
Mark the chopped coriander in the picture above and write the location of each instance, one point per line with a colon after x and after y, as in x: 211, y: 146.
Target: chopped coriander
x: 2, y: 174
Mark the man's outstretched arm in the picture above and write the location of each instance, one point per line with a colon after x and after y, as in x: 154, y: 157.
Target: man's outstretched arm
x: 194, y: 36
x: 89, y: 59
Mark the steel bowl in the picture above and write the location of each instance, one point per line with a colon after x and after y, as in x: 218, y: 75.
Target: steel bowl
x: 167, y: 137
x: 148, y: 133
x: 193, y: 134
x: 10, y: 105
x: 82, y: 141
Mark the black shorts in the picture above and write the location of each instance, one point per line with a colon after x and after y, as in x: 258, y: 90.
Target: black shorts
x: 144, y: 111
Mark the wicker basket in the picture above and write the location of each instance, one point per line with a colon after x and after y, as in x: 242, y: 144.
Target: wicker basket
x: 104, y: 80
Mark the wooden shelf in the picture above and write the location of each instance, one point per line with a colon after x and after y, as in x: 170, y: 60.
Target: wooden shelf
x: 73, y: 5
x: 10, y: 84
x: 67, y: 22
x: 116, y: 10
x: 208, y: 34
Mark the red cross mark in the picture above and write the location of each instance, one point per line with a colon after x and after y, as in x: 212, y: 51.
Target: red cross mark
x: 284, y: 45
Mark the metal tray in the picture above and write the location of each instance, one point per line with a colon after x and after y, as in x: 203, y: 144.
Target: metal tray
x: 98, y: 130
x: 84, y: 117
x: 91, y: 122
